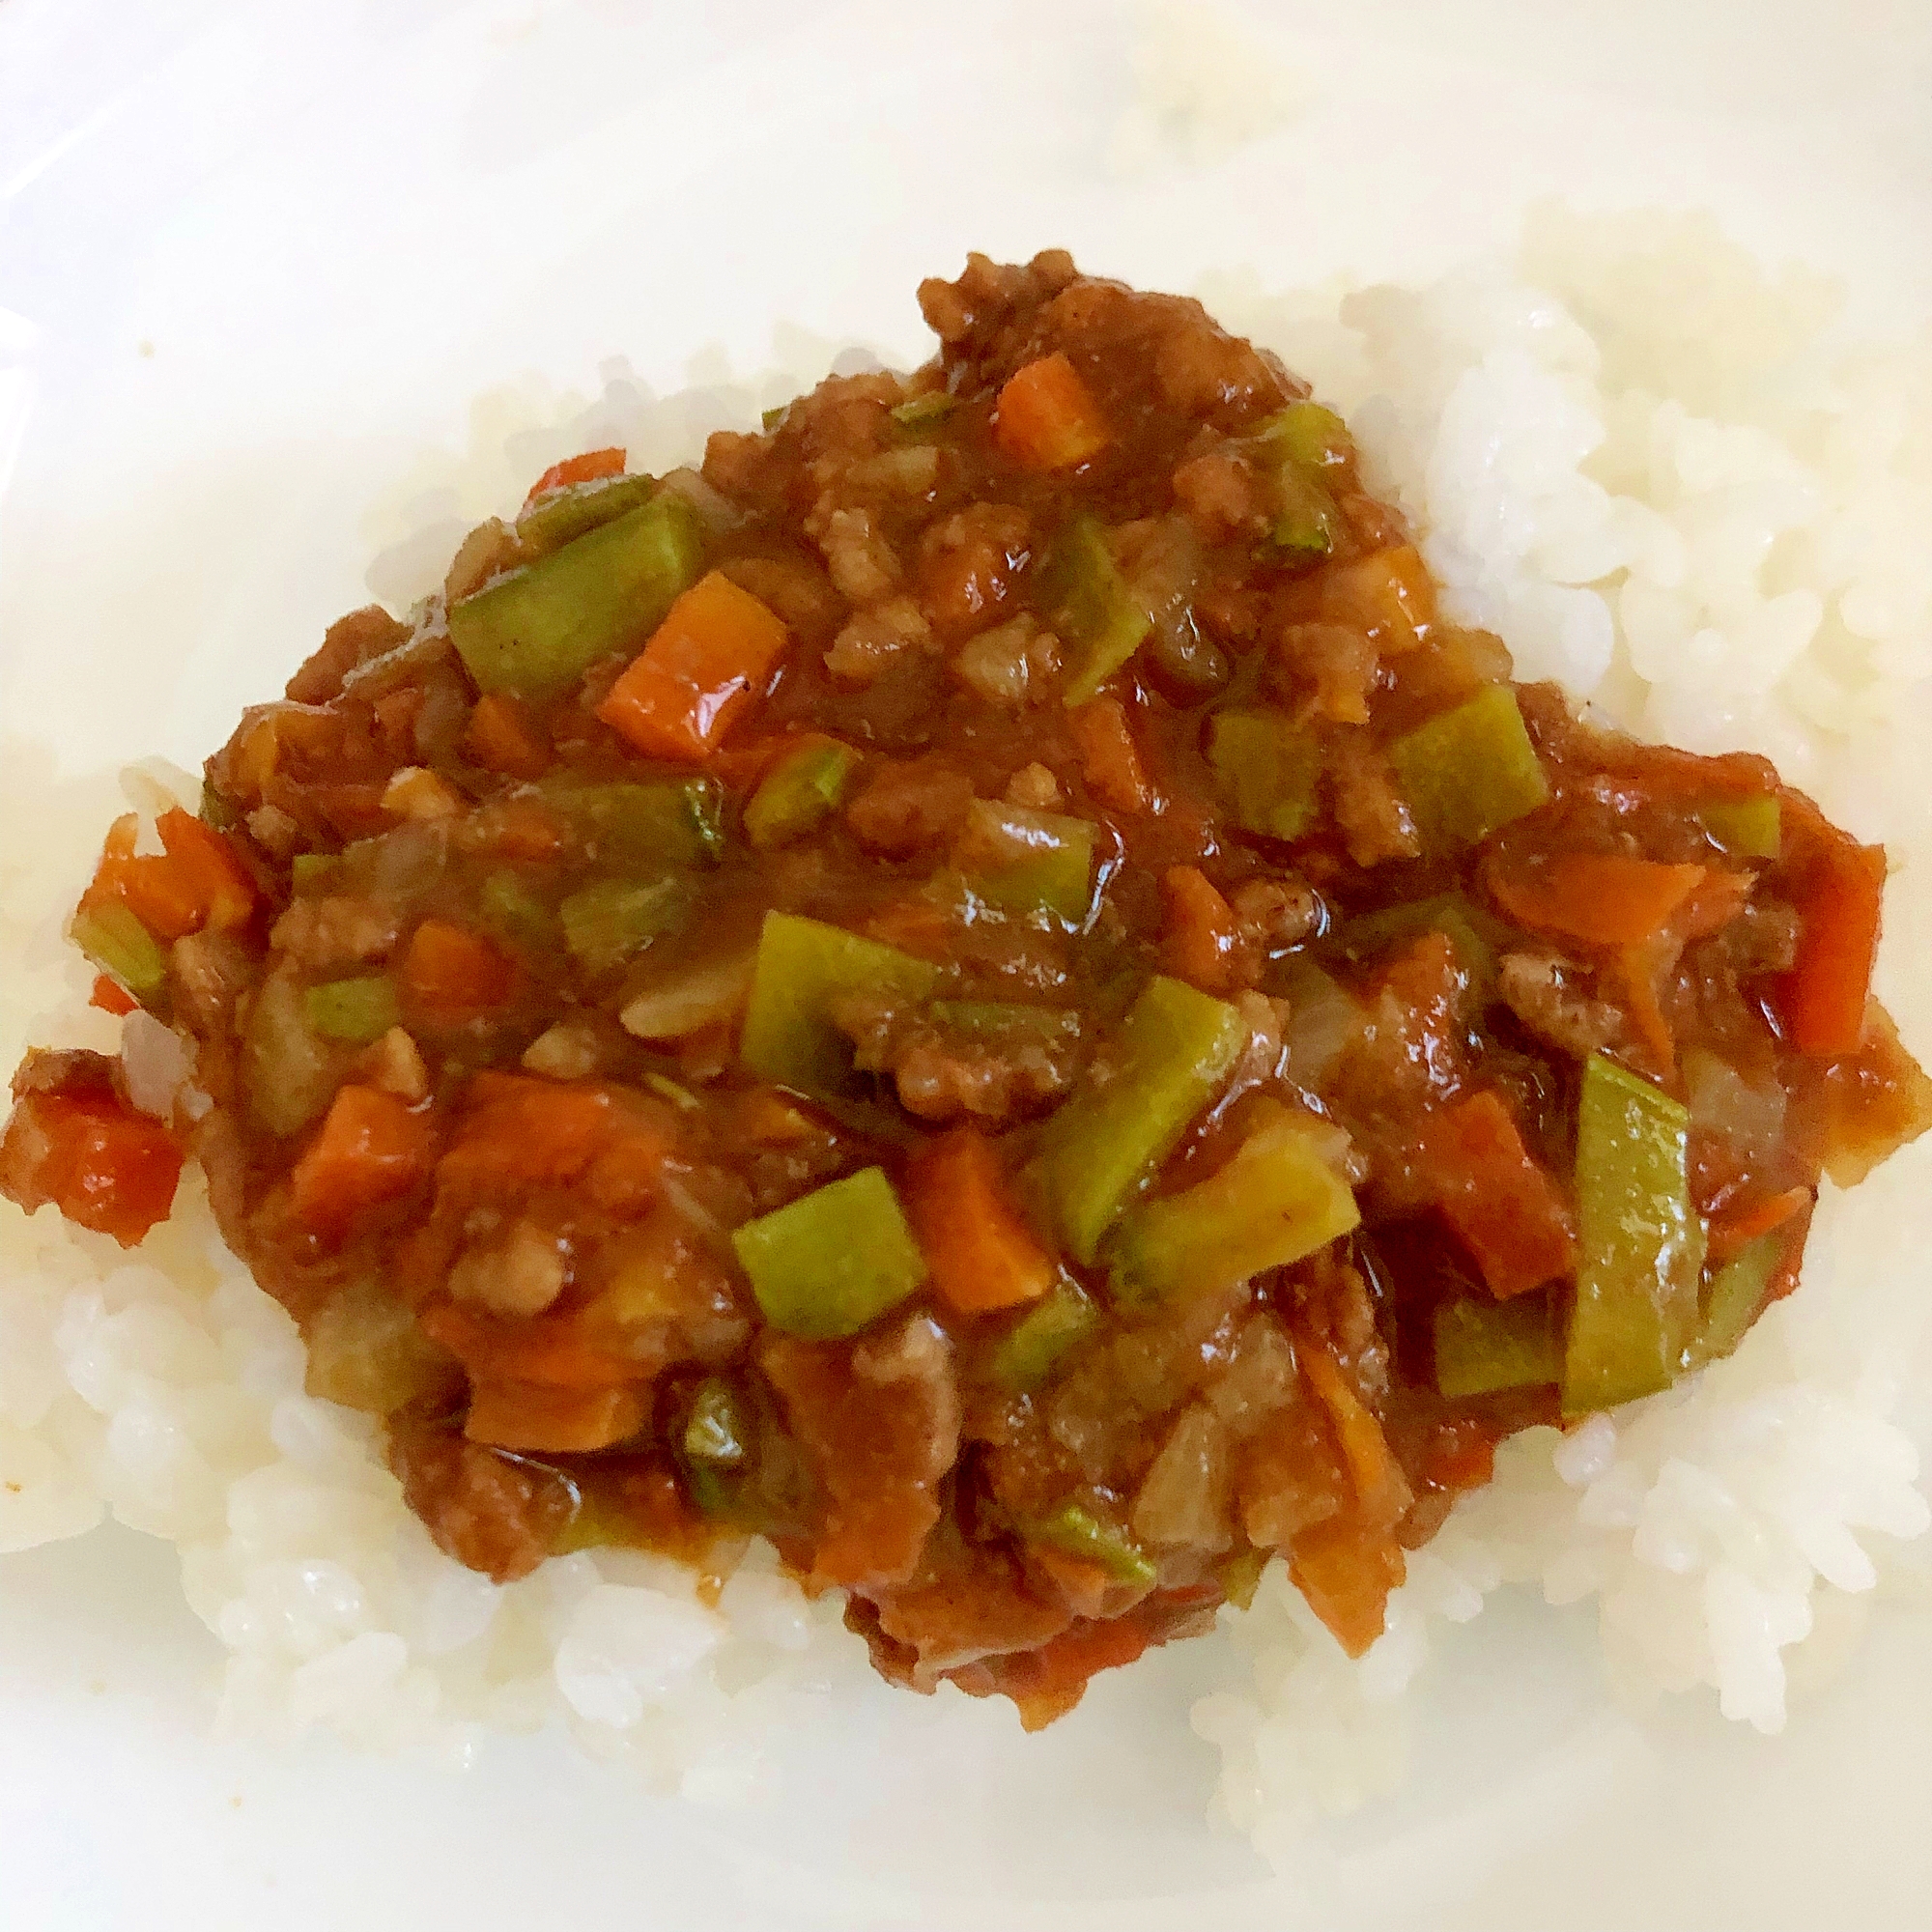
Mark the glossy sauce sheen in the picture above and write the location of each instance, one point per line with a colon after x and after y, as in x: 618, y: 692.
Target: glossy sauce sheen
x: 540, y: 1286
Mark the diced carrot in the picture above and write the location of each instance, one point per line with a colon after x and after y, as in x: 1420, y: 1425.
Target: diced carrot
x: 1389, y: 595
x: 1109, y: 758
x: 1502, y: 1203
x: 516, y: 829
x: 1716, y: 899
x: 920, y: 926
x: 1346, y: 1569
x: 1199, y: 933
x: 550, y: 1421
x: 1822, y: 999
x: 1046, y: 417
x: 1382, y: 1494
x: 111, y: 996
x: 1730, y: 1234
x: 1083, y: 1585
x: 1633, y: 970
x: 371, y: 1149
x: 501, y: 737
x: 1603, y: 898
x: 194, y: 881
x: 549, y: 1350
x: 705, y: 664
x: 981, y: 1253
x: 584, y: 468
x: 517, y: 1130
x: 1046, y: 1683
x: 97, y: 1161
x: 627, y: 1176
x: 452, y: 976
x: 1460, y: 1454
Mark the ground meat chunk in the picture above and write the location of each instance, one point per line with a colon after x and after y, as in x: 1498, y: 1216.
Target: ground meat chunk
x: 208, y: 972
x: 1537, y: 986
x: 1325, y: 671
x: 861, y: 562
x: 879, y: 1422
x: 494, y: 1512
x: 1368, y: 811
x: 349, y: 641
x: 910, y: 806
x: 1224, y: 495
x: 968, y: 562
x: 333, y: 932
x: 873, y: 639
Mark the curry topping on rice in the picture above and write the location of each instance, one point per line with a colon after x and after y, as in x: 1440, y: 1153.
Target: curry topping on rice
x: 986, y: 990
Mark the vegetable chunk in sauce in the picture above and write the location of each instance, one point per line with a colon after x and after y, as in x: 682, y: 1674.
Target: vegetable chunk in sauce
x: 986, y: 990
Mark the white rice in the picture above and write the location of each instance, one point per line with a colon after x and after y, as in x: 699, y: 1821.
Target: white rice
x: 1663, y: 479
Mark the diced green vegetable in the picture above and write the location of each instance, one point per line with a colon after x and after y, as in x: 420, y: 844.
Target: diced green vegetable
x: 802, y: 788
x: 356, y: 1010
x: 1484, y: 1345
x: 289, y: 1070
x: 769, y: 419
x: 219, y: 810
x: 833, y: 1260
x: 1090, y: 605
x: 802, y: 967
x: 996, y: 1019
x: 718, y: 1431
x: 1746, y: 827
x: 511, y: 909
x: 121, y: 946
x: 924, y: 412
x: 1171, y: 1055
x: 1030, y: 1348
x: 1267, y: 769
x: 675, y: 822
x: 1027, y: 864
x: 1470, y: 771
x: 566, y: 515
x: 1641, y: 1249
x: 1079, y: 1532
x: 311, y: 872
x: 606, y: 923
x: 1278, y: 1199
x: 1735, y: 1294
x: 1307, y: 521
x: 538, y: 632
x: 1239, y: 1575
x: 1307, y: 434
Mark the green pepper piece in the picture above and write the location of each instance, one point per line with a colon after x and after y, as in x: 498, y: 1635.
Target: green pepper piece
x: 802, y: 967
x: 1239, y: 1575
x: 1267, y: 769
x: 121, y: 946
x: 356, y: 1010
x: 1276, y: 1201
x: 1308, y: 521
x: 1307, y: 434
x: 1744, y: 828
x: 1468, y: 772
x: 1029, y: 1350
x: 1171, y: 1055
x: 717, y: 1430
x: 995, y: 1019
x: 512, y: 910
x: 1032, y: 865
x: 1641, y: 1243
x: 606, y: 923
x: 1736, y: 1296
x: 1090, y: 605
x: 672, y: 823
x: 833, y: 1260
x: 1484, y: 1346
x: 769, y: 419
x: 1081, y: 1533
x: 565, y: 515
x: 925, y: 411
x: 538, y: 632
x: 311, y: 873
x: 802, y: 788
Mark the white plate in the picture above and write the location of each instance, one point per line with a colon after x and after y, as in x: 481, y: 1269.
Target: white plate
x: 256, y: 261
